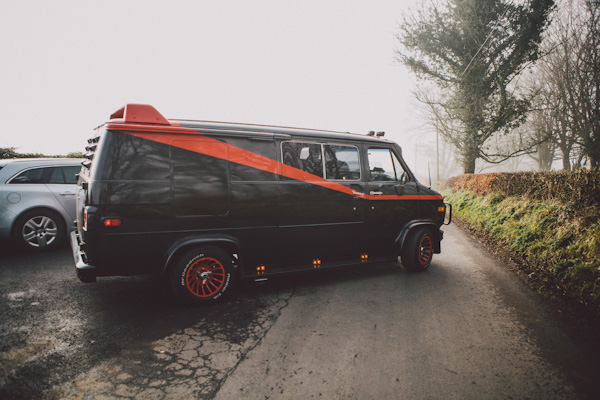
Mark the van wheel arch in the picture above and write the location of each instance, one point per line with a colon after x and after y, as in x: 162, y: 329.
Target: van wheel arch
x: 409, y: 229
x: 179, y: 249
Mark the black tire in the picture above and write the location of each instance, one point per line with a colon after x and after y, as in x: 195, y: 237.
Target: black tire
x: 417, y: 252
x: 39, y: 230
x: 202, y: 276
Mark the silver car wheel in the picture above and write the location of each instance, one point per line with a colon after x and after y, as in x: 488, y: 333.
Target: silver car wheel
x: 39, y: 231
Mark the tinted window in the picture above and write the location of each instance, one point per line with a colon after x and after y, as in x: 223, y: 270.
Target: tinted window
x: 57, y: 176
x: 71, y: 173
x: 132, y: 158
x: 384, y: 165
x: 342, y: 162
x: 34, y: 175
x: 247, y: 168
x: 199, y: 181
x: 304, y: 156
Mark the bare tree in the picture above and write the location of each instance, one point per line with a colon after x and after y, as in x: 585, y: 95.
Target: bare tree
x: 472, y: 50
x: 583, y: 96
x: 567, y: 84
x: 541, y: 126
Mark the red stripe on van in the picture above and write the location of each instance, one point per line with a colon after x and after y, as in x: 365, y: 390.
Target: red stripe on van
x: 199, y: 143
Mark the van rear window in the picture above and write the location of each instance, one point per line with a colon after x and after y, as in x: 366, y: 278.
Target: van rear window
x: 132, y: 158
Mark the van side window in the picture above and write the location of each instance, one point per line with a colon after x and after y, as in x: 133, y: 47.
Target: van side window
x: 247, y: 172
x: 200, y: 184
x: 341, y: 162
x: 385, y: 166
x: 304, y: 156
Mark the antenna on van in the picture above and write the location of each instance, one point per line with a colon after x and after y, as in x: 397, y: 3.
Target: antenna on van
x: 371, y: 133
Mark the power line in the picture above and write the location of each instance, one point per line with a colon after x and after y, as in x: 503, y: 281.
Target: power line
x: 464, y: 73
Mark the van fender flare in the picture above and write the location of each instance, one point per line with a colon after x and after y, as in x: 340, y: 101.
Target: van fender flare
x: 227, y: 243
x: 435, y: 231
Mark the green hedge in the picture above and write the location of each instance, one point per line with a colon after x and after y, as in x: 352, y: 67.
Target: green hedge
x: 579, y: 189
x: 9, y: 153
x: 555, y: 235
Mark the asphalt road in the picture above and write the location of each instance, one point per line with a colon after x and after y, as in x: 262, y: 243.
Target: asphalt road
x: 465, y: 329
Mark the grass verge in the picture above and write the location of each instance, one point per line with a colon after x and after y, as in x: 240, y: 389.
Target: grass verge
x: 559, y: 245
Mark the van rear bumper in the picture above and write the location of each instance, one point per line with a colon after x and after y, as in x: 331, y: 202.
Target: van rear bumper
x: 85, y: 272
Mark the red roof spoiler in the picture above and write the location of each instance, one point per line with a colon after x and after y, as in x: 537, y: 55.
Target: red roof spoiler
x: 140, y: 114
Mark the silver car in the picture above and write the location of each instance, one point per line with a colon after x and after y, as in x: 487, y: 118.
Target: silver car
x: 37, y: 200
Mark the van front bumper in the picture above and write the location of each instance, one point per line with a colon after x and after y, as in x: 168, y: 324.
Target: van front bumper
x: 85, y: 272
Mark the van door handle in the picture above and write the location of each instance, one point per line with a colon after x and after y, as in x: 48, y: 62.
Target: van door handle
x: 376, y: 193
x: 67, y: 194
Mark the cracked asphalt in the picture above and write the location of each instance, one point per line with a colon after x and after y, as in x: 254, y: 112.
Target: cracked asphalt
x: 465, y: 329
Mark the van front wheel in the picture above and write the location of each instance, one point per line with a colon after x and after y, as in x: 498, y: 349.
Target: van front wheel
x: 203, y: 275
x: 418, y: 250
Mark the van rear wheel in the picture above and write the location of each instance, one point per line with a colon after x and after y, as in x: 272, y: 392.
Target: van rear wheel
x: 418, y: 250
x: 203, y: 275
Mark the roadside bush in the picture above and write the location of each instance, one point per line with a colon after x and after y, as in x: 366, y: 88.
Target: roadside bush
x: 577, y: 189
x: 545, y: 221
x: 10, y: 152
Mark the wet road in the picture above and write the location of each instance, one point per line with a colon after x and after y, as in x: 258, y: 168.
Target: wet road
x: 465, y: 329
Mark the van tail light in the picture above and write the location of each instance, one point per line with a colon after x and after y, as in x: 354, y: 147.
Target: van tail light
x: 110, y: 222
x: 89, y: 217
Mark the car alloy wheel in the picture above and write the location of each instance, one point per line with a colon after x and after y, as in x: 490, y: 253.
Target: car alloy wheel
x: 39, y: 230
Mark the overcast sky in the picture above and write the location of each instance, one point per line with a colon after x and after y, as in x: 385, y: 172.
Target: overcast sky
x: 67, y: 65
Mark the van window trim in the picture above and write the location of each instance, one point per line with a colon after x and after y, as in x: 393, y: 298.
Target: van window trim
x: 400, y: 160
x: 322, y: 144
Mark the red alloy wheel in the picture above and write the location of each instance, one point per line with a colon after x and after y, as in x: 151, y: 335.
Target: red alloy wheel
x: 205, y: 277
x: 425, y: 250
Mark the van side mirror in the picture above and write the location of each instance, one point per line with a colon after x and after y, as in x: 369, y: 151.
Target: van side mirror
x: 403, y: 178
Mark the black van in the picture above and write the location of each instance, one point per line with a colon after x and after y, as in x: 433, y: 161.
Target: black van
x: 206, y: 203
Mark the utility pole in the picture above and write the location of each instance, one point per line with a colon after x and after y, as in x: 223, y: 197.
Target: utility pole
x: 437, y: 155
x: 416, y: 144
